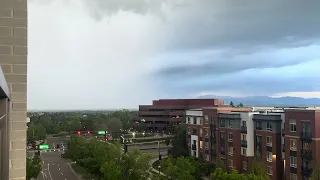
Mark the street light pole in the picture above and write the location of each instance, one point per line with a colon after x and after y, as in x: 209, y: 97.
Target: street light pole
x: 159, y: 149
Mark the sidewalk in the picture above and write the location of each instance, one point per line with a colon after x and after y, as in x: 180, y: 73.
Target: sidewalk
x: 153, y: 169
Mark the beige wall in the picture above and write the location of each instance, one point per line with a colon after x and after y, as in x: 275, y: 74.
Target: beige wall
x: 13, y: 59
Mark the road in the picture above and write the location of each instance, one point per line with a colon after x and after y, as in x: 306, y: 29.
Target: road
x: 53, y: 141
x: 55, y: 168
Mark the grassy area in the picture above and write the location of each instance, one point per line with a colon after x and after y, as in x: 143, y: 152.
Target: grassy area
x: 83, y: 173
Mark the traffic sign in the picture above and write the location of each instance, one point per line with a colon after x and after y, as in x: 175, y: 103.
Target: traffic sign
x: 44, y: 146
x: 102, y: 132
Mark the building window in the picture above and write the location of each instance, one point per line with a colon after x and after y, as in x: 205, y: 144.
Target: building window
x: 269, y: 126
x: 293, y: 144
x: 269, y: 170
x: 206, y: 144
x: 269, y: 156
x: 293, y: 176
x: 230, y: 162
x: 230, y: 123
x: 269, y: 141
x: 222, y: 123
x: 206, y: 117
x: 243, y: 137
x: 244, y: 165
x: 194, y: 131
x: 189, y: 140
x: 258, y: 125
x: 230, y: 137
x: 194, y: 120
x: 188, y: 120
x: 201, y: 121
x: 293, y: 125
x: 230, y: 150
x: 188, y: 130
x: 293, y: 161
x: 213, y: 121
x: 243, y: 151
x: 207, y: 157
x: 200, y: 132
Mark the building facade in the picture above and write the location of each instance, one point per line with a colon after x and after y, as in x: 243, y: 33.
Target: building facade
x: 164, y: 114
x: 13, y: 108
x: 285, y: 138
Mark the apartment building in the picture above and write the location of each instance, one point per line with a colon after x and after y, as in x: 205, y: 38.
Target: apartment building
x: 164, y: 114
x: 285, y: 138
x: 13, y: 88
x: 203, y: 133
x: 302, y: 133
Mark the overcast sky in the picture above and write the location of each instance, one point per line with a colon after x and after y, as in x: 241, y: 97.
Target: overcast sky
x: 100, y: 54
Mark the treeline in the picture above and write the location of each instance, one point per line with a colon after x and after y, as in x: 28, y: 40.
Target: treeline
x: 42, y: 124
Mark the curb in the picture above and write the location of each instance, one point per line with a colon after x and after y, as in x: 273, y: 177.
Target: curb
x: 71, y: 169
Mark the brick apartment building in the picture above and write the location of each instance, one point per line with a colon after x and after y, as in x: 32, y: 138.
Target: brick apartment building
x: 286, y: 138
x: 13, y: 88
x: 163, y: 114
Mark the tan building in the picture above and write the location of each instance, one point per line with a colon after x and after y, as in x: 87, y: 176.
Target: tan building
x: 13, y: 89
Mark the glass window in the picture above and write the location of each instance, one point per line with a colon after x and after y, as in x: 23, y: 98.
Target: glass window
x: 243, y: 151
x: 207, y: 157
x: 269, y: 156
x: 243, y: 137
x: 269, y: 141
x: 194, y: 120
x: 269, y: 170
x: 269, y: 126
x: 230, y: 137
x: 258, y: 125
x: 230, y: 123
x: 293, y: 144
x: 244, y: 165
x: 230, y: 150
x: 188, y: 130
x: 293, y: 161
x: 293, y: 176
x: 222, y: 123
x: 293, y: 125
x: 206, y: 117
x: 230, y: 161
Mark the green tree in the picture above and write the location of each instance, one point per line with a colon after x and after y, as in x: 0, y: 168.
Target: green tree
x: 231, y: 104
x: 114, y: 125
x: 258, y: 167
x: 179, y: 144
x: 33, y: 167
x: 220, y: 174
x: 315, y: 173
x: 36, y: 132
x: 111, y: 170
x: 168, y: 141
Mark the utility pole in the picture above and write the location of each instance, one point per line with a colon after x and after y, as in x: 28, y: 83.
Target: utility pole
x: 159, y: 150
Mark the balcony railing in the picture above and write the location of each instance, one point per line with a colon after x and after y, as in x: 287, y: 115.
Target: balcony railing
x: 244, y: 143
x: 306, y: 135
x: 194, y: 147
x: 243, y: 129
x: 306, y: 153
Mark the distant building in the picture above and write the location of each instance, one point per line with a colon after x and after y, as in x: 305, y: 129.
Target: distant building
x: 163, y: 114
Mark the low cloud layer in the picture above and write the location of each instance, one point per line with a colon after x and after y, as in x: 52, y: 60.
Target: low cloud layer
x: 121, y: 53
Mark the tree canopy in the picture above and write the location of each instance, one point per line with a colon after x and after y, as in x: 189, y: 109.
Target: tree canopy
x: 33, y: 167
x: 106, y: 161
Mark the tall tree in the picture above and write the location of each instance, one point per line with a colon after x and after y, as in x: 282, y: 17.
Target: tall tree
x: 315, y: 173
x: 258, y: 167
x: 33, y: 167
x: 179, y: 143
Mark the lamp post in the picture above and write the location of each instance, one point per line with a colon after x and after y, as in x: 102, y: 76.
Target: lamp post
x: 159, y: 168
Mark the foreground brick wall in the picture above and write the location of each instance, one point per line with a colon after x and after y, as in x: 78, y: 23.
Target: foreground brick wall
x: 13, y: 60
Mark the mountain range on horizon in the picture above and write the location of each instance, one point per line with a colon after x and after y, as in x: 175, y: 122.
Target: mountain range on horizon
x: 266, y: 100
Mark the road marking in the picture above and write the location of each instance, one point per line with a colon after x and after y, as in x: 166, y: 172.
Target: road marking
x: 59, y: 169
x: 62, y: 174
x: 54, y: 147
x: 49, y: 172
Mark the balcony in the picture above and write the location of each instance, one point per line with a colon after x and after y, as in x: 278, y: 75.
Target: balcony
x: 306, y: 136
x: 194, y: 147
x: 243, y: 129
x: 306, y: 171
x: 244, y: 143
x: 306, y: 153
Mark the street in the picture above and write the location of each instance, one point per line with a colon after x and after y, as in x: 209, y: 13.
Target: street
x: 55, y: 168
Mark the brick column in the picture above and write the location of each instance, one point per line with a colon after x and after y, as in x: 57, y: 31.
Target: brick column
x: 13, y: 60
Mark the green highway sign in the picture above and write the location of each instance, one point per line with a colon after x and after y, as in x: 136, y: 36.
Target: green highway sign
x: 44, y: 146
x: 102, y: 132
